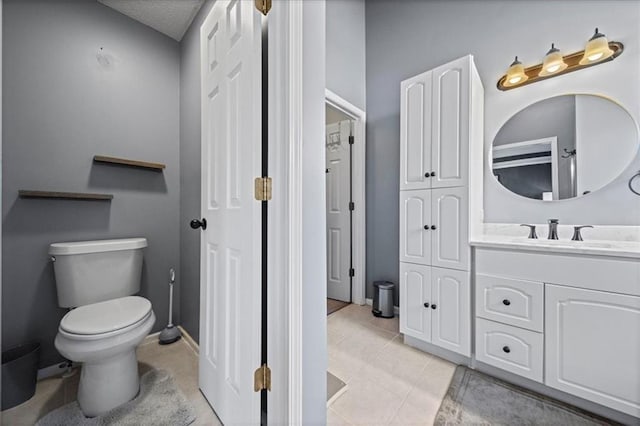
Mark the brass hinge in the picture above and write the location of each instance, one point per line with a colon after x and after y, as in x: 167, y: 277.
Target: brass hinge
x: 263, y: 188
x: 263, y: 6
x: 262, y: 379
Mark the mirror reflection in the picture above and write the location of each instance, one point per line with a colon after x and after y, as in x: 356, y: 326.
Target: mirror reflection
x: 564, y: 147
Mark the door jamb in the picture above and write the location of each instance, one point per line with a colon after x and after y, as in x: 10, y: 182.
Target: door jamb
x: 359, y: 229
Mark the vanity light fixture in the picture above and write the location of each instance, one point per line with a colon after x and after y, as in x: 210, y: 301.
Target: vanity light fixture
x: 515, y: 74
x: 597, y: 51
x: 553, y: 62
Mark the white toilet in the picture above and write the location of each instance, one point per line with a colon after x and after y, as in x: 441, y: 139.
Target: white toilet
x: 99, y: 279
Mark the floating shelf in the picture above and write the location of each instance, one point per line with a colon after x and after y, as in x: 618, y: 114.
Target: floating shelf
x: 158, y: 167
x: 83, y: 196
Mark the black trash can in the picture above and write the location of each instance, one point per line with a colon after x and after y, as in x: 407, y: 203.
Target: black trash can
x: 19, y: 374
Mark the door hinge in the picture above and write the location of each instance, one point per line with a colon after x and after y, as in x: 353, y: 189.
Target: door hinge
x: 351, y: 140
x: 352, y: 272
x: 262, y: 379
x: 352, y: 206
x: 263, y: 188
x: 263, y: 6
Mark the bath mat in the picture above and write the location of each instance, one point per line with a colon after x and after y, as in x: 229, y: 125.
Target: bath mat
x: 159, y: 402
x: 335, y: 387
x: 475, y: 398
x: 335, y: 305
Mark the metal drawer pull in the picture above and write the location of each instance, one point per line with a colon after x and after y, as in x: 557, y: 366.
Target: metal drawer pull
x: 506, y: 349
x: 506, y: 302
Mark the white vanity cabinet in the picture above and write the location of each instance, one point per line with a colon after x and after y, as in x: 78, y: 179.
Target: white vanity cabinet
x: 441, y: 123
x: 436, y: 307
x: 593, y: 346
x: 571, y: 321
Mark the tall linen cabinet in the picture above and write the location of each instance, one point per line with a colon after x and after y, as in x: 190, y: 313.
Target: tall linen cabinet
x: 441, y: 127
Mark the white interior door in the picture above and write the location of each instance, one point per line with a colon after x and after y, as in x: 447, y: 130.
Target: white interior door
x: 338, y: 162
x: 230, y: 248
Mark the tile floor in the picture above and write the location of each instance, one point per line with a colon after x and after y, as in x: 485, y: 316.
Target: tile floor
x: 179, y: 358
x: 388, y: 382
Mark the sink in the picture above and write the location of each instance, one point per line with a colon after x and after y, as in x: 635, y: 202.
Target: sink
x: 562, y: 243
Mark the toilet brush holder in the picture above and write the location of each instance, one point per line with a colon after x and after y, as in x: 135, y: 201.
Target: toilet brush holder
x: 171, y: 333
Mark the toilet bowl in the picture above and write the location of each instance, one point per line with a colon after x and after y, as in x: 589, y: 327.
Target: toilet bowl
x: 103, y: 336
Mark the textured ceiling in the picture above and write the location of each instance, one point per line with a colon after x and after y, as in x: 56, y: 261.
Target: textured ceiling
x: 170, y: 17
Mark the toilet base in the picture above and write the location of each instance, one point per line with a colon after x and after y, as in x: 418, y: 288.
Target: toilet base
x: 107, y: 384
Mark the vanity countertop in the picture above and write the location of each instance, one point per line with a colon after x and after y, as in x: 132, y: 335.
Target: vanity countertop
x: 629, y: 249
x: 508, y: 236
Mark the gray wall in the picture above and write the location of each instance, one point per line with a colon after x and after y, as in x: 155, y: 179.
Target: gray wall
x: 559, y: 117
x: 189, y: 285
x: 408, y: 37
x: 60, y: 107
x: 345, y: 26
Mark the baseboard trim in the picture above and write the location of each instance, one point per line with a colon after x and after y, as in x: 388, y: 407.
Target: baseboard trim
x: 189, y: 340
x: 396, y: 310
x: 54, y: 370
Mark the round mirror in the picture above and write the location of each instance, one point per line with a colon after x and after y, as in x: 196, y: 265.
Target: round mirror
x: 564, y: 147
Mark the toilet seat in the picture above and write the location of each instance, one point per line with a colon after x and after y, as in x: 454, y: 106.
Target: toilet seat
x: 105, y: 319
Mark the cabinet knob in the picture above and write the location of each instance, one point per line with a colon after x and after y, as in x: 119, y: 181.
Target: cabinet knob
x: 506, y: 349
x: 427, y: 174
x: 506, y: 302
x: 433, y: 227
x: 426, y: 305
x: 433, y: 306
x: 426, y: 227
x: 433, y: 174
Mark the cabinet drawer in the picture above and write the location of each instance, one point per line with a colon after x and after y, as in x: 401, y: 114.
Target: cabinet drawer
x: 510, y: 348
x: 513, y: 302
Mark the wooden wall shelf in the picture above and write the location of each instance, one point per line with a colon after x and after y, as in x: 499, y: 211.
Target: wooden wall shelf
x: 82, y: 196
x: 158, y: 167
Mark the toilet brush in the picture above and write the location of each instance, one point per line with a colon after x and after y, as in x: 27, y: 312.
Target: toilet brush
x: 171, y: 333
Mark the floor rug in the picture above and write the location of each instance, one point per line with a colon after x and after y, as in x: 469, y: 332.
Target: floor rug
x: 335, y: 305
x: 335, y: 387
x: 159, y: 402
x: 478, y: 399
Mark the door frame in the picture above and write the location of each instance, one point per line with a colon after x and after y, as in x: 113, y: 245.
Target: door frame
x: 359, y: 228
x: 297, y: 274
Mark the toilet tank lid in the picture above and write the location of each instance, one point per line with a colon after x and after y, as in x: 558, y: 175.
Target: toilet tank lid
x: 96, y: 246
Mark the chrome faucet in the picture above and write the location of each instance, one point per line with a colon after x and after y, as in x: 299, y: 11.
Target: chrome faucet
x: 553, y: 229
x: 576, y: 232
x: 532, y: 231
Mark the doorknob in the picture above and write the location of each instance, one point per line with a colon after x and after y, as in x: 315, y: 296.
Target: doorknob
x: 195, y: 224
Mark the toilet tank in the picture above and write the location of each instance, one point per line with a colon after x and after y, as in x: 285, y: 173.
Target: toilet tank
x: 94, y: 271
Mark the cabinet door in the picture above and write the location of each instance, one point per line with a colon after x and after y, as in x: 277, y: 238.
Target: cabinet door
x: 415, y: 301
x: 450, y: 128
x: 592, y: 346
x: 450, y: 241
x: 450, y: 310
x: 415, y: 132
x: 415, y: 226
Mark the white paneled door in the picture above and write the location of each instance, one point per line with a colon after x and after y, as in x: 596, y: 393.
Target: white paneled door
x: 416, y: 299
x: 338, y: 172
x: 450, y: 240
x: 230, y: 255
x: 451, y: 310
x: 416, y: 226
x: 450, y: 127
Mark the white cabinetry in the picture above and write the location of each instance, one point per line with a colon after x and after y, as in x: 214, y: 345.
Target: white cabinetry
x: 441, y: 120
x: 593, y: 346
x: 582, y: 331
x: 435, y: 306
